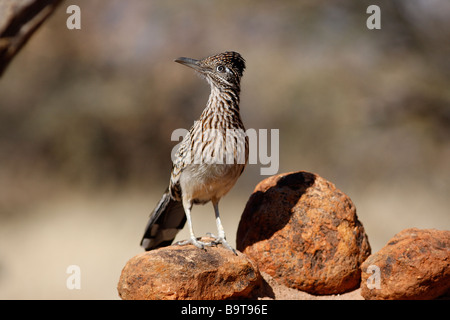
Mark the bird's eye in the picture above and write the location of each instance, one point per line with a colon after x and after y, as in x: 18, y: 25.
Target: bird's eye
x: 220, y: 68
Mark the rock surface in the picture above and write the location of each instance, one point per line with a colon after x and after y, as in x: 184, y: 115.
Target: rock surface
x: 186, y: 272
x: 414, y: 264
x: 304, y: 232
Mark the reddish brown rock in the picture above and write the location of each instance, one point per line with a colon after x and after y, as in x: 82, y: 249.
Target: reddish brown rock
x: 305, y: 233
x: 414, y: 264
x: 186, y: 272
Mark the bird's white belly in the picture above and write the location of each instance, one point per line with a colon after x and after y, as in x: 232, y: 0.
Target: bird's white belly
x: 207, y: 181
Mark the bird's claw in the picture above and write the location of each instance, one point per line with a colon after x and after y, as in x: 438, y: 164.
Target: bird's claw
x: 202, y: 244
x: 221, y: 240
x: 195, y: 242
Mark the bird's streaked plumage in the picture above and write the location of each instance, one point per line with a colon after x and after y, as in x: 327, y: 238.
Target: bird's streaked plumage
x: 210, y: 158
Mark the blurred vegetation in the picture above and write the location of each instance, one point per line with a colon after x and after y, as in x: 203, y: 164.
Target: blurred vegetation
x: 96, y: 107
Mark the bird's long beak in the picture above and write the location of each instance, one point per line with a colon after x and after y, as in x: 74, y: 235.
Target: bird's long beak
x: 191, y: 63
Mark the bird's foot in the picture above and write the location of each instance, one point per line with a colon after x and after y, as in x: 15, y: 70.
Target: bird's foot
x: 221, y: 240
x: 195, y: 242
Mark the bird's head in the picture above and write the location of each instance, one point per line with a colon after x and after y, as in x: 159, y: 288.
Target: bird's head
x: 223, y: 70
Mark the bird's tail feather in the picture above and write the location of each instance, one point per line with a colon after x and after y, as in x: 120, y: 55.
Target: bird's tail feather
x: 165, y: 221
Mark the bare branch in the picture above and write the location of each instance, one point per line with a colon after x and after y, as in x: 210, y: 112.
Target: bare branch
x: 18, y: 21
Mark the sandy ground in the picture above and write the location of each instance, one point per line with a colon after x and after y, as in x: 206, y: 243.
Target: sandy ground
x: 282, y: 292
x: 100, y: 232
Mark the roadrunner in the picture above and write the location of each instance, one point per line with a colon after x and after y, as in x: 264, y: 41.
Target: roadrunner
x: 210, y: 158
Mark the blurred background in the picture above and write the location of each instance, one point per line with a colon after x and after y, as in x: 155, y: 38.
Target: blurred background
x: 86, y: 118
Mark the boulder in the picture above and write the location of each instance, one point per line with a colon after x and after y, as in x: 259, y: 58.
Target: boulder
x: 304, y: 232
x: 414, y: 264
x: 187, y: 272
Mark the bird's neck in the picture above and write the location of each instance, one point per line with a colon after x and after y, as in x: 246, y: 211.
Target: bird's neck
x: 222, y: 106
x: 222, y: 101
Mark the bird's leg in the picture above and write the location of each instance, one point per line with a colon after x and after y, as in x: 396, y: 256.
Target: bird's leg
x: 192, y: 240
x: 221, y: 237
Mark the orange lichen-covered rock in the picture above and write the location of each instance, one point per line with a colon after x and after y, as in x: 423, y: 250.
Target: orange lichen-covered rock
x: 414, y: 264
x: 187, y: 272
x: 304, y: 232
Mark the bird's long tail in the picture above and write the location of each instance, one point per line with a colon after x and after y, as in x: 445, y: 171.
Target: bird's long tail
x: 165, y: 221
